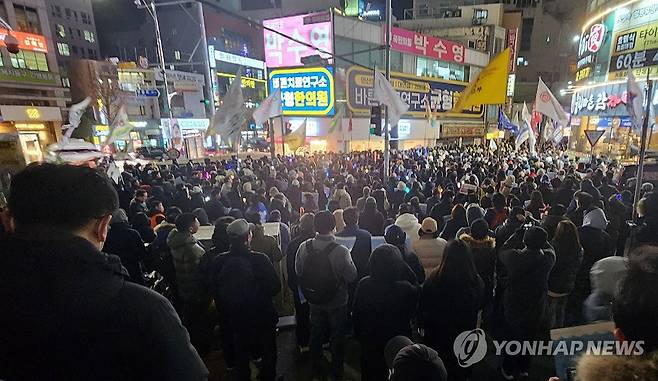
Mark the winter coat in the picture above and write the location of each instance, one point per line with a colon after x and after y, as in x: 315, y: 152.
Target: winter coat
x: 127, y: 244
x: 136, y: 207
x: 484, y: 259
x: 409, y: 223
x: 605, y: 275
x: 525, y: 294
x: 361, y: 250
x: 452, y: 227
x: 69, y: 313
x: 429, y: 252
x: 265, y: 244
x: 243, y: 285
x: 618, y: 368
x: 344, y: 199
x: 644, y: 234
x: 291, y: 256
x: 186, y: 253
x: 372, y: 221
x: 215, y: 209
x: 563, y: 276
x: 507, y: 230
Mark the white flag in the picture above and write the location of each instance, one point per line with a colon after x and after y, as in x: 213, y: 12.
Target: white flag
x: 635, y: 102
x: 558, y: 134
x: 75, y: 115
x: 522, y: 136
x: 231, y: 114
x: 120, y: 126
x: 385, y: 94
x: 269, y: 108
x: 525, y: 115
x: 547, y: 104
x: 492, y: 145
x: 547, y: 132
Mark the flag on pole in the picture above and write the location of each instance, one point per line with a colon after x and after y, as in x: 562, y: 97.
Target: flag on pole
x: 506, y: 124
x: 635, y: 103
x: 75, y: 116
x: 524, y: 134
x: 547, y: 104
x: 384, y: 93
x: 492, y: 145
x: 349, y: 126
x: 296, y: 138
x: 119, y: 127
x: 231, y: 114
x: 431, y: 120
x: 547, y: 132
x: 490, y: 86
x: 515, y: 120
x: 558, y: 133
x: 269, y: 108
x: 337, y: 120
x: 527, y: 121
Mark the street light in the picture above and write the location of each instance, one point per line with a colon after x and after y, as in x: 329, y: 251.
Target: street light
x: 10, y: 41
x: 576, y: 38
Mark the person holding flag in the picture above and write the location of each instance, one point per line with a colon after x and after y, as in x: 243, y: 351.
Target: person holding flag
x: 231, y: 114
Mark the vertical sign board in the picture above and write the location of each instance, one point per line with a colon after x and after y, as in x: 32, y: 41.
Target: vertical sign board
x: 313, y: 29
x: 305, y: 91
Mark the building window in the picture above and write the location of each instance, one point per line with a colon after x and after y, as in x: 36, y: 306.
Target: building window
x: 85, y: 18
x: 67, y: 11
x: 439, y: 69
x: 89, y: 36
x: 66, y: 82
x: 71, y: 32
x: 79, y: 33
x: 177, y: 55
x: 63, y: 49
x: 27, y: 19
x: 75, y: 15
x: 57, y: 11
x: 61, y: 31
x: 91, y: 53
x: 29, y: 60
x: 526, y: 33
x: 74, y: 49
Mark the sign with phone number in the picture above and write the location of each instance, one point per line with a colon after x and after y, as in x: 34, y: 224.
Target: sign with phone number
x: 305, y: 91
x: 414, y: 91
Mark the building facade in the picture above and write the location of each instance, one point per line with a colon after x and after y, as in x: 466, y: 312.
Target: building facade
x: 74, y: 34
x: 31, y: 95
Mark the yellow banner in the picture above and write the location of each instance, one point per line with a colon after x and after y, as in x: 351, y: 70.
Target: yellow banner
x: 636, y: 39
x: 640, y: 73
x: 489, y: 88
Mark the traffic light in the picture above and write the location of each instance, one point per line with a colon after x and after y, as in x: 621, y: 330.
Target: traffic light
x: 376, y: 120
x: 205, y: 101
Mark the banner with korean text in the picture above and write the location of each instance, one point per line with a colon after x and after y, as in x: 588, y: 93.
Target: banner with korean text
x: 408, y: 41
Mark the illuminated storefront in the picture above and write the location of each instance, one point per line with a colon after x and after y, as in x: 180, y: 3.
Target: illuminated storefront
x: 615, y: 41
x: 37, y: 127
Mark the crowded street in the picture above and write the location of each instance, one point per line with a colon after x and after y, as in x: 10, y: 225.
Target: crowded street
x: 406, y: 190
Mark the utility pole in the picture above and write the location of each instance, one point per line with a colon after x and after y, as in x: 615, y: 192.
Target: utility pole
x: 206, y: 58
x: 387, y: 148
x: 158, y: 38
x: 643, y: 147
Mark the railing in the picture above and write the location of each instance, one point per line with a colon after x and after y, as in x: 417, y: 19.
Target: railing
x: 424, y: 11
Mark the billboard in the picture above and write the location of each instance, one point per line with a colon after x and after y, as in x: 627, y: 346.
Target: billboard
x: 408, y: 41
x: 414, y: 91
x: 26, y: 41
x: 594, y: 50
x: 636, y: 49
x: 313, y: 29
x: 305, y: 91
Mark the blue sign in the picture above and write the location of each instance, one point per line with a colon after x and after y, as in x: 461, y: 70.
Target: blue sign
x: 605, y: 122
x: 150, y: 93
x: 305, y: 91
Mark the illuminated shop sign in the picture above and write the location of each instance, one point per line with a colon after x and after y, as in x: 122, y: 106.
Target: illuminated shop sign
x: 305, y: 91
x: 314, y: 29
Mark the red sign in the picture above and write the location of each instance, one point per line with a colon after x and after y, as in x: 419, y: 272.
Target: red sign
x: 408, y: 41
x: 26, y: 41
x: 596, y: 35
x: 512, y: 35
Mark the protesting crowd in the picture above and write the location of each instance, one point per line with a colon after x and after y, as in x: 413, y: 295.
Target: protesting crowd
x: 104, y: 278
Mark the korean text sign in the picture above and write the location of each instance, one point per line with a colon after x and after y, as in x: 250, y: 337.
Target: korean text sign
x: 26, y: 41
x: 414, y: 91
x: 408, y: 41
x: 635, y: 49
x: 305, y: 90
x: 281, y: 51
x: 608, y: 100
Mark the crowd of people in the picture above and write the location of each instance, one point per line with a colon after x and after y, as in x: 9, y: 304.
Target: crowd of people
x: 454, y: 239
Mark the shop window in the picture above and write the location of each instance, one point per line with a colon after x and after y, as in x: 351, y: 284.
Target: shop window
x: 29, y: 60
x: 27, y: 19
x: 63, y: 49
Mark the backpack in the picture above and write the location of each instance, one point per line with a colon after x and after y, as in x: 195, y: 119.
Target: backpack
x: 318, y: 281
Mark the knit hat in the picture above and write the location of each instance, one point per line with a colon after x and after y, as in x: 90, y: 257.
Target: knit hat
x: 411, y: 361
x: 479, y: 228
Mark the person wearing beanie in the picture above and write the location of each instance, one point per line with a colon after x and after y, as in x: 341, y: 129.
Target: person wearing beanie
x: 524, y: 297
x: 413, y: 362
x: 597, y: 244
x: 483, y: 248
x: 383, y: 308
x: 244, y: 283
x: 473, y: 212
x: 429, y: 247
x: 395, y: 236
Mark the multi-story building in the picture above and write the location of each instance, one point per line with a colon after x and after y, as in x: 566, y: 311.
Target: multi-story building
x: 31, y: 94
x: 74, y: 34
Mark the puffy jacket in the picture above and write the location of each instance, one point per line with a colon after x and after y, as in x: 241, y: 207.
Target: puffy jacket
x: 344, y: 199
x: 265, y: 244
x: 409, y: 223
x: 563, y: 276
x: 618, y: 368
x: 186, y: 252
x: 429, y: 252
x: 68, y: 313
x: 484, y: 259
x: 605, y: 276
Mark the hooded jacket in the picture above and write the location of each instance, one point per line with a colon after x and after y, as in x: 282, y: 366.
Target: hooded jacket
x: 186, y: 253
x: 409, y: 223
x: 70, y: 314
x: 605, y: 277
x: 484, y: 259
x: 618, y: 368
x: 126, y: 243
